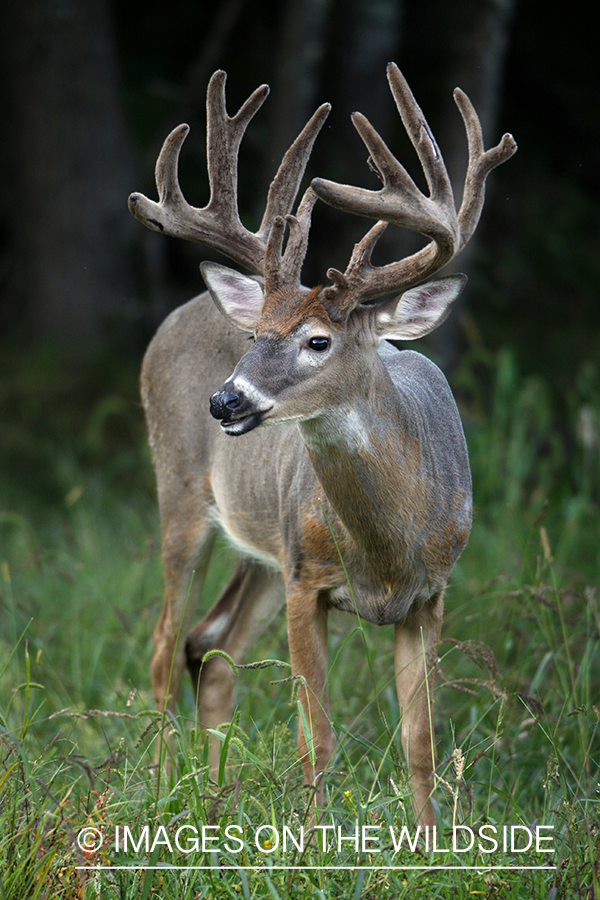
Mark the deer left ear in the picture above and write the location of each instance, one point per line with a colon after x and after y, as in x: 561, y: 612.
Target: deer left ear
x: 419, y: 310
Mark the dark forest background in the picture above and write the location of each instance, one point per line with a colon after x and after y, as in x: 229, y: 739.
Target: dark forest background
x: 91, y: 88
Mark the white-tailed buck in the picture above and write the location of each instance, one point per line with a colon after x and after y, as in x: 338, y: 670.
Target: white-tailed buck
x: 360, y: 498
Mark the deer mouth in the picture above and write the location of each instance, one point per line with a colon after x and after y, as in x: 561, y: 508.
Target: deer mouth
x: 242, y: 424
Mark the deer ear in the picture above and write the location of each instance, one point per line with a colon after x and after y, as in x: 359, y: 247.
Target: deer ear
x: 239, y: 297
x: 419, y: 310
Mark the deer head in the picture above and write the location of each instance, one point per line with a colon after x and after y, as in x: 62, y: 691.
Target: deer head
x: 304, y: 337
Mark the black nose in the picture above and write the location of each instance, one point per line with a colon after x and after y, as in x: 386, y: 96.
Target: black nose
x: 224, y: 403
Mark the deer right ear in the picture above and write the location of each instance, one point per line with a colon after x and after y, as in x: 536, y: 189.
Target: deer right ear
x: 239, y: 297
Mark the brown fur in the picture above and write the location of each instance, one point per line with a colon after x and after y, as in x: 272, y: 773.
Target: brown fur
x: 287, y: 309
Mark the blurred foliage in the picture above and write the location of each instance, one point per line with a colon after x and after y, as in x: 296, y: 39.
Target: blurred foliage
x: 55, y: 406
x: 534, y: 454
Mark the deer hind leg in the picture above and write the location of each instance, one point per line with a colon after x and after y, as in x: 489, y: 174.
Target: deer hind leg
x: 247, y: 605
x: 307, y: 636
x: 415, y: 652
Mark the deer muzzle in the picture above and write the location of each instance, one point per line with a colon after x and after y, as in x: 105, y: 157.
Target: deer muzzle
x: 235, y: 410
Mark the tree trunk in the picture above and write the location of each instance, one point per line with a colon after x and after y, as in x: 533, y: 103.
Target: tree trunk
x: 469, y: 45
x: 68, y: 217
x: 363, y: 37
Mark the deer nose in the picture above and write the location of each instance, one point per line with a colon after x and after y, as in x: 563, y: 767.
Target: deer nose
x: 223, y: 403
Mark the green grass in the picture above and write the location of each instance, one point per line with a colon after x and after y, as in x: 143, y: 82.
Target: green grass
x: 517, y: 693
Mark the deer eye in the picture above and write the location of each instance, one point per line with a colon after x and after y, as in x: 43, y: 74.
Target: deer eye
x: 319, y: 344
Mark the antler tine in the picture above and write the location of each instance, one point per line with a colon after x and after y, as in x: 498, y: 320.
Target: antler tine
x: 218, y: 224
x: 223, y: 138
x: 284, y: 187
x: 422, y: 139
x: 340, y: 297
x: 285, y: 268
x: 297, y: 244
x: 480, y: 165
x: 273, y: 255
x: 401, y: 202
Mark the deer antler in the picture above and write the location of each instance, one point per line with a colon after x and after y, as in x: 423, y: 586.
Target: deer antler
x: 401, y: 202
x: 218, y: 223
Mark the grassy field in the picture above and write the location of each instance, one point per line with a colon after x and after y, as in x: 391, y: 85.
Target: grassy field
x: 517, y: 692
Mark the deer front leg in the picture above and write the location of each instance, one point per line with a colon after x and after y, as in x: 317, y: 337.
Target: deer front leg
x: 415, y: 651
x: 307, y: 636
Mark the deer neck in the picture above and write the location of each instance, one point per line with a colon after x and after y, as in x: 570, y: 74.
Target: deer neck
x: 368, y: 464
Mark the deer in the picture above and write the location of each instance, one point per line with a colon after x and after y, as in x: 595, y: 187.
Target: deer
x: 360, y: 498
